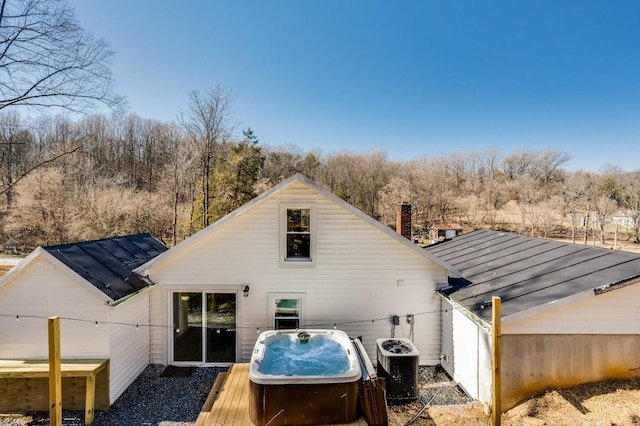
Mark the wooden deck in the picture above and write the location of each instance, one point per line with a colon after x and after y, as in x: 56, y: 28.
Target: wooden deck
x: 228, y: 401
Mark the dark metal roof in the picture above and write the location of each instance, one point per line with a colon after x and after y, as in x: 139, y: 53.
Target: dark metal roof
x: 526, y: 272
x: 108, y: 263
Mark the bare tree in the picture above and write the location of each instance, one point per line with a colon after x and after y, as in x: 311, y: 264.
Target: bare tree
x: 547, y: 166
x: 209, y: 122
x: 15, y: 142
x: 574, y: 199
x: 632, y: 202
x: 392, y: 195
x: 36, y: 217
x: 16, y: 145
x: 529, y: 198
x: 48, y: 60
x: 180, y: 175
x: 609, y: 193
x: 281, y: 162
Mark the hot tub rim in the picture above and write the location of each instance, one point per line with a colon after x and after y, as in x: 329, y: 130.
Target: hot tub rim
x: 354, y: 374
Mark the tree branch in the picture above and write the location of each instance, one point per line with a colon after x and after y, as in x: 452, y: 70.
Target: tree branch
x: 37, y: 166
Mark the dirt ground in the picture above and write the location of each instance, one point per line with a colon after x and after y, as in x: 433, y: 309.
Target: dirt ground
x: 608, y: 403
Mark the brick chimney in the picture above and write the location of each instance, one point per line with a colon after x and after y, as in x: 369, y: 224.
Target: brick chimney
x: 403, y: 220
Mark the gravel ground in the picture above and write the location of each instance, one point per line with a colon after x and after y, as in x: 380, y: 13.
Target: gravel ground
x: 176, y: 401
x: 150, y: 400
x: 436, y: 389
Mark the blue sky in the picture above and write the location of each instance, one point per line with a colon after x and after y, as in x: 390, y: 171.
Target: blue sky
x: 411, y: 78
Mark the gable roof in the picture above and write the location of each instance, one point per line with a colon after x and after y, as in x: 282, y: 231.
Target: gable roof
x: 106, y: 265
x: 529, y: 273
x: 298, y: 177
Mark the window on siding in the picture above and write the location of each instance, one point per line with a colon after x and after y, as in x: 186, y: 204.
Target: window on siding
x: 298, y: 234
x: 287, y: 315
x: 287, y: 310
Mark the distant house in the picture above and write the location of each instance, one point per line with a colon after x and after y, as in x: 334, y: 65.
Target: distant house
x: 294, y: 257
x: 91, y: 286
x: 441, y: 231
x: 570, y: 313
x: 626, y: 219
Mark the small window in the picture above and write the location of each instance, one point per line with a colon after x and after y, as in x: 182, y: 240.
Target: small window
x: 287, y: 315
x: 286, y: 310
x: 297, y: 245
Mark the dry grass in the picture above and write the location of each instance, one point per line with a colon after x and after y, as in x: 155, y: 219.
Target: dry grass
x: 611, y: 402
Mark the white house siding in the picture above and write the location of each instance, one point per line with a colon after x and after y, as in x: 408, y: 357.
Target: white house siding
x: 617, y: 311
x: 129, y: 346
x: 466, y: 359
x: 354, y: 278
x: 44, y: 290
x: 466, y: 352
x: 158, y: 351
x: 446, y: 337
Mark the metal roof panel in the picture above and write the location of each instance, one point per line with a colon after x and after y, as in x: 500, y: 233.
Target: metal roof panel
x: 529, y: 272
x: 108, y: 263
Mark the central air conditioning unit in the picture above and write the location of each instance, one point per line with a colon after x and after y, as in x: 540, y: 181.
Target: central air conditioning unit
x: 398, y: 363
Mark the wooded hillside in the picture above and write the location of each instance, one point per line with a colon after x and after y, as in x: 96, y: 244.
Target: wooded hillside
x: 102, y: 176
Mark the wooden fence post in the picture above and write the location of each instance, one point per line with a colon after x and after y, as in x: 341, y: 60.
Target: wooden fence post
x: 55, y: 380
x: 496, y: 332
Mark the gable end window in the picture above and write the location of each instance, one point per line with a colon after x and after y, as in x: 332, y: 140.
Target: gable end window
x: 297, y: 243
x: 299, y: 234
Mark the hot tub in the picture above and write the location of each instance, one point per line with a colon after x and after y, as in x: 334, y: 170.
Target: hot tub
x: 303, y: 377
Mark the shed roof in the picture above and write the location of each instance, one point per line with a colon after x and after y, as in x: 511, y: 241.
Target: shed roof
x: 108, y: 263
x: 527, y: 272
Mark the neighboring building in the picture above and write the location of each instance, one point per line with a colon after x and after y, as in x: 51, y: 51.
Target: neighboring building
x: 294, y: 257
x: 570, y: 313
x: 91, y: 286
x: 626, y: 219
x: 442, y: 231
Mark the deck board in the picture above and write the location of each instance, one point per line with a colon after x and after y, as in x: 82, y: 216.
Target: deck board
x: 231, y: 407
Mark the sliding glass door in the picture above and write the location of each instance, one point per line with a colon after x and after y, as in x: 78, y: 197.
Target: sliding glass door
x: 204, y: 327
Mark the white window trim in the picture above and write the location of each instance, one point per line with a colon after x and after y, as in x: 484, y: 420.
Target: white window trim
x: 297, y: 263
x: 271, y: 309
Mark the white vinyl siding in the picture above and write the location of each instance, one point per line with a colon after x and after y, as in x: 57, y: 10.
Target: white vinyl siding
x: 614, y: 312
x: 43, y: 290
x: 129, y: 346
x: 158, y: 352
x: 466, y: 352
x: 355, y: 278
x: 446, y: 337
